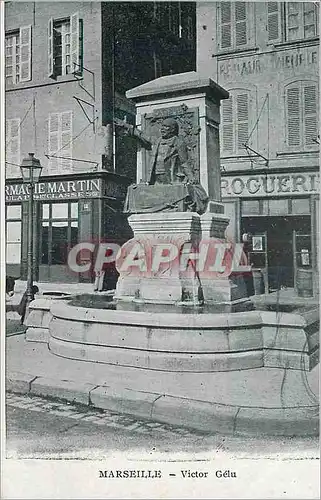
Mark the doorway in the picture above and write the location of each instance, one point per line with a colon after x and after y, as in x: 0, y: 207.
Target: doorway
x: 273, y: 247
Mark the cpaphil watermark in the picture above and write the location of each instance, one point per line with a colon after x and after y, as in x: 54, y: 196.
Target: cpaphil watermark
x: 209, y: 259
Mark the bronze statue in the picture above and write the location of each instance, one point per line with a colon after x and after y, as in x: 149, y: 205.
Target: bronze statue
x: 169, y: 165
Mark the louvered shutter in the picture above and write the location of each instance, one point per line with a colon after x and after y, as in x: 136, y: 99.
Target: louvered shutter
x: 66, y: 138
x: 51, y: 72
x: 273, y: 21
x: 310, y: 114
x: 240, y: 24
x: 226, y: 25
x: 242, y: 120
x: 53, y: 141
x: 227, y: 125
x: 75, y: 43
x: 25, y: 53
x: 13, y: 141
x: 293, y: 116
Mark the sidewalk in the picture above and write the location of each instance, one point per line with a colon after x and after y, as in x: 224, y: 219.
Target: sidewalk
x: 266, y: 401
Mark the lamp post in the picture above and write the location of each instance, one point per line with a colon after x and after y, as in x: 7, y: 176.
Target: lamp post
x: 30, y: 171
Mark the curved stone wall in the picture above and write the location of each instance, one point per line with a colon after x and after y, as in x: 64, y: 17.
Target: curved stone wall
x: 178, y: 342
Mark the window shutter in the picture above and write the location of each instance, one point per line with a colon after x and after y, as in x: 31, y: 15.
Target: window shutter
x: 240, y: 24
x: 51, y: 73
x: 227, y: 125
x: 25, y: 53
x: 310, y: 114
x: 13, y: 141
x: 226, y: 25
x: 273, y: 21
x: 75, y: 43
x: 66, y: 138
x: 293, y: 116
x: 53, y: 141
x: 242, y: 120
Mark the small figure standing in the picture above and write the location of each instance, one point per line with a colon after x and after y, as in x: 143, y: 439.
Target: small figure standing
x: 23, y: 303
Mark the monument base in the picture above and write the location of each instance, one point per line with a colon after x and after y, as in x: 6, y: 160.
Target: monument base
x: 158, y: 272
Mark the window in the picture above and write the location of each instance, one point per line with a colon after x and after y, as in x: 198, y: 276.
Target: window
x: 235, y: 122
x: 13, y: 141
x: 18, y: 56
x: 301, y: 115
x: 65, y: 47
x: 301, y: 20
x: 60, y: 141
x: 232, y: 20
x: 13, y: 234
x: 59, y: 231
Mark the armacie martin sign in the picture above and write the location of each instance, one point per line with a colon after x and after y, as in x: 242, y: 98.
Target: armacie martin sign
x: 55, y: 190
x: 270, y: 184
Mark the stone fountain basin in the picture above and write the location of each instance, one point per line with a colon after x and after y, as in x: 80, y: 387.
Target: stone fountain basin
x: 178, y: 342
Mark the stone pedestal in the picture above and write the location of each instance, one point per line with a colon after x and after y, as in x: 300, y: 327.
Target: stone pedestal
x: 159, y: 273
x: 158, y: 242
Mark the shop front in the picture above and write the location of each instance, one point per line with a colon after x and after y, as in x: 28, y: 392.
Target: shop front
x: 275, y: 215
x: 67, y: 211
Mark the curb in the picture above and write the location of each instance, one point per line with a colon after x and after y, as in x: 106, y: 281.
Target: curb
x: 202, y: 416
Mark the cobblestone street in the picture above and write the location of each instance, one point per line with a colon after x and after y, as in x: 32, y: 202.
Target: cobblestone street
x: 41, y: 428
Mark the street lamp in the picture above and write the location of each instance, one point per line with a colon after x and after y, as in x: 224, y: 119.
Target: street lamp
x: 30, y: 171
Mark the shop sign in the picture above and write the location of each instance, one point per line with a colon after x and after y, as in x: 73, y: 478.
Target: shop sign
x: 243, y: 67
x: 270, y: 185
x: 55, y: 190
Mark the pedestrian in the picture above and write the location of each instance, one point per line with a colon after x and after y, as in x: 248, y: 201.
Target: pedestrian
x: 23, y: 303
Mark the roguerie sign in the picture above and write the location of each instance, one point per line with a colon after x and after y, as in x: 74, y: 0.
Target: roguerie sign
x: 270, y: 185
x: 55, y: 190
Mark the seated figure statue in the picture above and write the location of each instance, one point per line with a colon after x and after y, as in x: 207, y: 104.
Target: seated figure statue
x: 170, y: 165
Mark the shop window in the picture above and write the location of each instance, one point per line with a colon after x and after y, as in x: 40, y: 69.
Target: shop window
x: 59, y: 231
x: 233, y: 24
x: 235, y: 117
x: 250, y: 207
x: 65, y: 46
x: 279, y: 207
x: 13, y: 234
x: 59, y: 210
x: 301, y: 20
x: 18, y: 56
x: 60, y: 142
x: 300, y: 206
x: 301, y: 115
x: 13, y: 142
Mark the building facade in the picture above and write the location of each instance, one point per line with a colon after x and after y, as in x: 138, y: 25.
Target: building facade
x: 266, y: 55
x: 67, y: 67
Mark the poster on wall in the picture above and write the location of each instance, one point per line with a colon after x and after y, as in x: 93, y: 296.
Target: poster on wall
x: 257, y: 243
x: 156, y: 343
